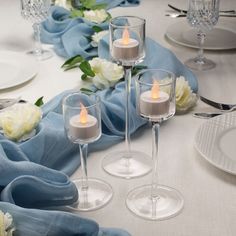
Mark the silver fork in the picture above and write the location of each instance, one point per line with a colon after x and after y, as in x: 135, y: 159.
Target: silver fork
x: 175, y: 15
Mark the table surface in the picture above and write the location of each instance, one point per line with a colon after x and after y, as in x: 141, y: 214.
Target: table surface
x: 209, y: 193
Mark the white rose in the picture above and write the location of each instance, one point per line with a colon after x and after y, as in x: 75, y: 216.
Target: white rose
x: 107, y: 74
x: 96, y: 16
x: 19, y: 120
x: 63, y: 3
x: 6, y: 227
x: 185, y: 98
x: 96, y: 37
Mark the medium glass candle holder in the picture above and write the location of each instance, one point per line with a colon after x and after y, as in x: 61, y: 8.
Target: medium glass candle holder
x: 82, y: 121
x: 155, y: 90
x: 127, y: 40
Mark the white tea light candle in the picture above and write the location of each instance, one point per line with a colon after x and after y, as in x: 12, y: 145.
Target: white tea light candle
x: 83, y: 131
x: 125, y: 48
x: 154, y: 102
x: 83, y: 126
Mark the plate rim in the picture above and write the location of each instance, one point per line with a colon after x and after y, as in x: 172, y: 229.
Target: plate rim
x: 193, y: 46
x: 208, y: 159
x: 27, y: 64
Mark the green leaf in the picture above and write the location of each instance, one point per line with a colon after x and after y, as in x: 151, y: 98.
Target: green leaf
x: 73, y: 60
x: 137, y: 69
x: 88, y: 3
x: 84, y: 77
x: 99, y: 6
x: 76, y: 13
x: 39, y: 102
x: 86, y: 68
x: 109, y: 17
x: 71, y: 67
x: 97, y: 29
x: 86, y: 91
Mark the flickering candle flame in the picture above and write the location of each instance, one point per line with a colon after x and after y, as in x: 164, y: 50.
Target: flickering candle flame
x: 125, y: 37
x: 155, y: 91
x: 83, y: 114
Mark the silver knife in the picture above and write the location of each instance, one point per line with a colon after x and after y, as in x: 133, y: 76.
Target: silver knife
x: 221, y: 106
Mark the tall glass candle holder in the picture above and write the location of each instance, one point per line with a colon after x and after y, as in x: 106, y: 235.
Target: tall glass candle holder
x: 127, y: 40
x: 155, y: 90
x: 82, y: 121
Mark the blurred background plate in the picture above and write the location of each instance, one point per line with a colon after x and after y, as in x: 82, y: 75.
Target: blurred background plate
x: 221, y: 37
x: 16, y: 68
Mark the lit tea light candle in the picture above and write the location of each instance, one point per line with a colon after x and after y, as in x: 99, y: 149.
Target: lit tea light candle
x: 125, y: 48
x: 83, y: 126
x: 154, y: 102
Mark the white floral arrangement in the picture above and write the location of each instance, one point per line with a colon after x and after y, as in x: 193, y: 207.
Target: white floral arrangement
x: 185, y: 98
x: 88, y: 9
x: 6, y: 224
x: 18, y: 122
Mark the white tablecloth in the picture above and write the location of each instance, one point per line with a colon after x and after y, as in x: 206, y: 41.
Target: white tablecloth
x: 209, y: 193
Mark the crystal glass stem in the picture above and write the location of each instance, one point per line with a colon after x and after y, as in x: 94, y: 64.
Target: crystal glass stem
x: 201, y: 39
x: 155, y: 139
x: 83, y: 157
x: 38, y: 46
x: 127, y: 70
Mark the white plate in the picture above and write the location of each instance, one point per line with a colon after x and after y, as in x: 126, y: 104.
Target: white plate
x: 216, y: 141
x: 221, y: 37
x: 16, y: 68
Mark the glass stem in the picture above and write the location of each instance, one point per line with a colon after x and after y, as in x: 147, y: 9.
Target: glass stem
x: 155, y: 138
x: 83, y: 157
x: 38, y: 47
x: 127, y: 70
x: 201, y: 39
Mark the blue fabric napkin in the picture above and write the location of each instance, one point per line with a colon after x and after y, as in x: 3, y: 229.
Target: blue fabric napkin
x: 32, y: 173
x: 34, y: 222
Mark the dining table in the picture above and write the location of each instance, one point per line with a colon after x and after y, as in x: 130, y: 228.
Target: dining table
x: 209, y: 192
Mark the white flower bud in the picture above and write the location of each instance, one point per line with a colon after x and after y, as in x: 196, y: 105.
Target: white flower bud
x: 96, y: 16
x: 185, y: 98
x: 96, y: 37
x: 107, y: 74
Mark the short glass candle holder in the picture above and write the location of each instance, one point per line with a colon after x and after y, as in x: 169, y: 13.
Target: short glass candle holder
x: 82, y: 122
x: 127, y: 40
x: 155, y: 90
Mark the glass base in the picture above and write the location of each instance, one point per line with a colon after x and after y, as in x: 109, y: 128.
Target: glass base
x: 97, y: 195
x: 168, y: 203
x: 127, y: 165
x: 43, y: 56
x: 201, y: 65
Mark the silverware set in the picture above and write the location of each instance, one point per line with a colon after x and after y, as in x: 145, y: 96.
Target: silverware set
x: 183, y: 13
